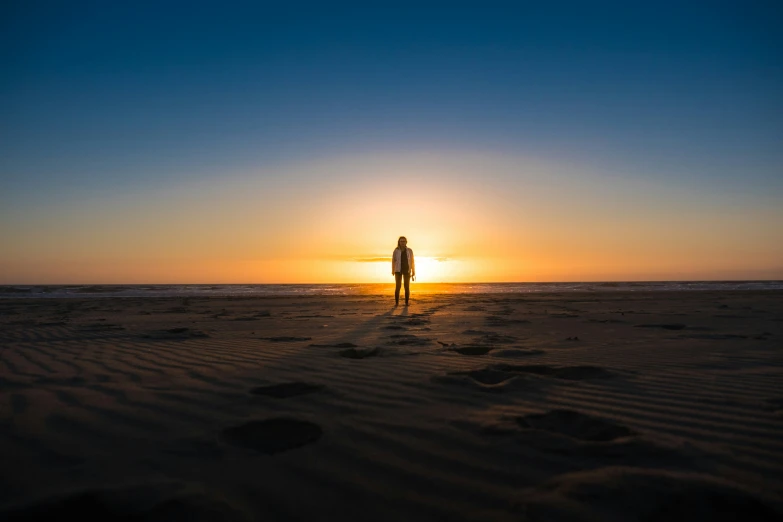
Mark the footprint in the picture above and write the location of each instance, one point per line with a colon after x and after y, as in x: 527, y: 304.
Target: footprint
x: 177, y: 333
x: 575, y: 425
x: 353, y: 353
x: 670, y: 326
x: 513, y: 353
x: 273, y: 435
x: 285, y: 339
x: 472, y: 350
x: 286, y: 389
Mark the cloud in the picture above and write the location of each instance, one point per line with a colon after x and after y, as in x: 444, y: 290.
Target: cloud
x: 372, y: 259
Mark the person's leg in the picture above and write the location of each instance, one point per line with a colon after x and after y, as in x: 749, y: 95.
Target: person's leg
x: 398, y: 281
x: 407, y: 286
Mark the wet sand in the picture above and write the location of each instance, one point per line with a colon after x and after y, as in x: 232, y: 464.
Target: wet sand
x: 600, y: 406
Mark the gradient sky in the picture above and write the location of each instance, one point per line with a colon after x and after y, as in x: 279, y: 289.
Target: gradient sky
x: 176, y: 142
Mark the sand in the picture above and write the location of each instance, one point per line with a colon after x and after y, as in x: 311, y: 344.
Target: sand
x: 611, y: 406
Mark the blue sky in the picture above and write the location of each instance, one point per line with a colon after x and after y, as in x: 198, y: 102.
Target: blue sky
x: 118, y: 96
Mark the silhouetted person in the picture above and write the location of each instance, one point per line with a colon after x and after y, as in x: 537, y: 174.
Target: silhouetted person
x: 403, y: 267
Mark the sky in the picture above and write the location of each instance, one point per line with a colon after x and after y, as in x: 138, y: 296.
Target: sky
x: 222, y: 142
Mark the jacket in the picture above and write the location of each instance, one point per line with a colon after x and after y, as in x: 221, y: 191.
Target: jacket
x: 397, y: 260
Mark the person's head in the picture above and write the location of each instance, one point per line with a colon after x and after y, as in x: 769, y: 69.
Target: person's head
x: 402, y: 242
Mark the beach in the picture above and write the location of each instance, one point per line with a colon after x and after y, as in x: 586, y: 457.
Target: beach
x: 548, y: 406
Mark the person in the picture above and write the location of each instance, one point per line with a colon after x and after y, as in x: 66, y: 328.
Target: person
x: 403, y: 268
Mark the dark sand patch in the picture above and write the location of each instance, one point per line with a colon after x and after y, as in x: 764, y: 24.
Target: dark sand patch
x: 177, y: 333
x: 286, y: 389
x: 97, y: 326
x: 494, y: 338
x: 19, y: 403
x: 353, y: 353
x: 254, y: 317
x: 775, y: 406
x: 63, y: 323
x: 472, y: 350
x: 408, y: 340
x: 503, y: 311
x: 150, y: 501
x: 285, y: 339
x: 175, y: 310
x: 591, y: 442
x: 335, y: 345
x: 713, y: 337
x: 495, y: 320
x: 478, y: 332
x: 194, y: 447
x: 513, y: 353
x: 622, y: 493
x: 575, y: 425
x: 667, y: 326
x: 274, y: 435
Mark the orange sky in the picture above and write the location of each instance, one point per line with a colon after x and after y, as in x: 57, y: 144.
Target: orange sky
x: 468, y: 217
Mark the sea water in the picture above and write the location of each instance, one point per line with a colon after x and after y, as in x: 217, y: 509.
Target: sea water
x: 248, y: 290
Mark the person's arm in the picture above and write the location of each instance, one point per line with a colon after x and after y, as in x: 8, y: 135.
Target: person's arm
x: 393, y: 261
x: 413, y: 265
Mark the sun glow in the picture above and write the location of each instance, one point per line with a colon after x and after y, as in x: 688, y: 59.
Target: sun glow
x: 429, y: 269
x: 329, y: 222
x: 433, y: 269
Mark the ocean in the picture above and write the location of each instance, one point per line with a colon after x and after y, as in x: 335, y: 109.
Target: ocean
x: 248, y: 290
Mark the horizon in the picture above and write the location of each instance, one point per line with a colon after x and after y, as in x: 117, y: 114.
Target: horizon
x: 414, y: 283
x: 146, y: 144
